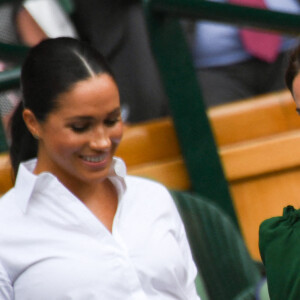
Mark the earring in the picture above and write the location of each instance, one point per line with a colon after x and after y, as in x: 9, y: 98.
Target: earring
x: 36, y: 136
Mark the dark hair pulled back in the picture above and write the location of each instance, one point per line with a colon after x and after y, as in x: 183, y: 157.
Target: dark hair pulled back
x: 293, y: 68
x: 51, y: 68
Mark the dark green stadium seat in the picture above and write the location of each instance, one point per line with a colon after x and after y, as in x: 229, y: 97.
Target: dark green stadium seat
x: 227, y: 270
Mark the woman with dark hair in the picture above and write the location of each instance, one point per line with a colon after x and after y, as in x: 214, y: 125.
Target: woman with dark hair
x: 27, y: 22
x: 75, y: 226
x: 279, y: 242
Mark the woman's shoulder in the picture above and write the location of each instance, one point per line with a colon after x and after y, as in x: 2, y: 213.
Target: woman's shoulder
x: 148, y: 192
x: 5, y: 197
x: 144, y: 184
x: 8, y: 205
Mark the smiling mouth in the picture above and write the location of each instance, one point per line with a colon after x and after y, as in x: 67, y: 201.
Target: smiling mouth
x: 94, y: 159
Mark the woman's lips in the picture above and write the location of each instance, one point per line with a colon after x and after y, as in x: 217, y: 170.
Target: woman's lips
x: 94, y: 158
x: 96, y: 161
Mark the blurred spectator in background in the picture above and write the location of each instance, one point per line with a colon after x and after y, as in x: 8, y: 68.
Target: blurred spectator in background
x: 117, y: 29
x: 27, y: 23
x: 226, y: 71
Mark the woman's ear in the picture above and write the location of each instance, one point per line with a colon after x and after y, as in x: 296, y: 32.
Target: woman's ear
x: 31, y: 122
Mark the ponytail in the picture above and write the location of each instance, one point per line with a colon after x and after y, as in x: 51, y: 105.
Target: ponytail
x: 24, y: 145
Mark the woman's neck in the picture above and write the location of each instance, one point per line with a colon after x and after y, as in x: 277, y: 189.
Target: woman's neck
x: 101, y: 198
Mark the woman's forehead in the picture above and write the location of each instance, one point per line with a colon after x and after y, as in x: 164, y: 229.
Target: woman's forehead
x: 100, y: 86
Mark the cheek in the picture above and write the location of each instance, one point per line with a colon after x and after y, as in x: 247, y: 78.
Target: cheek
x: 64, y: 145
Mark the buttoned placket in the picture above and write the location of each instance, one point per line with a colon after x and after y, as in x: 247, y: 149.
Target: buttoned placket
x: 96, y: 228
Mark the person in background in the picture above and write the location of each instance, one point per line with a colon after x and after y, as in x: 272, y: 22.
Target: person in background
x: 75, y: 226
x: 27, y: 23
x: 117, y: 29
x: 292, y: 76
x: 279, y: 235
x: 226, y: 70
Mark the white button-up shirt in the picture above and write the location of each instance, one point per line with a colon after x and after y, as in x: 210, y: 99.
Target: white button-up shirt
x: 52, y: 247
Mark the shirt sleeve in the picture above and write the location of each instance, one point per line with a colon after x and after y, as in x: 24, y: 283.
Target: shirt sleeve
x: 6, y: 289
x: 190, y: 265
x: 189, y: 284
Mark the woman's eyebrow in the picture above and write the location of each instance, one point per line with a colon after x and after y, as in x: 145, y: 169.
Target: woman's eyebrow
x: 80, y: 118
x: 115, y: 112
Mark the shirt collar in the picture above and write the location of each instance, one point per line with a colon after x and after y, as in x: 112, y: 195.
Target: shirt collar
x: 117, y: 175
x: 27, y: 181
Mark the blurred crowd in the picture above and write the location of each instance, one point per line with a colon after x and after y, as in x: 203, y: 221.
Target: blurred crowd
x: 116, y: 28
x: 226, y: 71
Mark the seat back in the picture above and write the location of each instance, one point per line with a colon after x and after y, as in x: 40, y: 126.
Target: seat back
x: 218, y: 249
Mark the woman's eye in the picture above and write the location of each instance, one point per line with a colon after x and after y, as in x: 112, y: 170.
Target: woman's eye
x: 79, y: 128
x: 111, y: 122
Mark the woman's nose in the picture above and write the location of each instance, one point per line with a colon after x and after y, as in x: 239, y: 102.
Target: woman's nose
x: 100, y: 140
